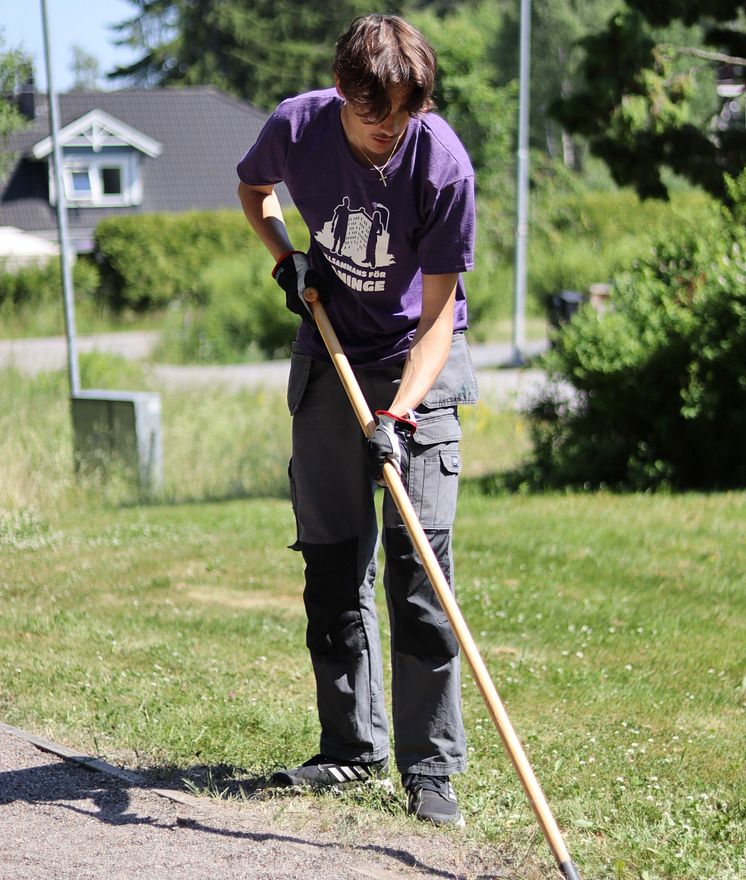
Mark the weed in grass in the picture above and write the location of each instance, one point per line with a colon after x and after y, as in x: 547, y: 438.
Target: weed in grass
x: 25, y: 530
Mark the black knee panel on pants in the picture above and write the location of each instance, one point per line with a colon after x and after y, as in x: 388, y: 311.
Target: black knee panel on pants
x: 331, y: 596
x: 420, y: 626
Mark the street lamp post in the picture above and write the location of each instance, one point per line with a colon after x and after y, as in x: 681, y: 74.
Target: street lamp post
x: 521, y: 227
x: 66, y: 266
x: 120, y: 428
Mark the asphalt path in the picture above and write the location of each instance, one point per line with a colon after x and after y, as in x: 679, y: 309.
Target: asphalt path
x: 46, y: 353
x: 499, y: 379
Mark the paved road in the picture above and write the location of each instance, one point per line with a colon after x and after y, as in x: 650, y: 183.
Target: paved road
x: 50, y: 352
x: 497, y: 378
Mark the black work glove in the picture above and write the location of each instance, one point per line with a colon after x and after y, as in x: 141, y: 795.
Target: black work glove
x: 294, y: 276
x: 385, y: 444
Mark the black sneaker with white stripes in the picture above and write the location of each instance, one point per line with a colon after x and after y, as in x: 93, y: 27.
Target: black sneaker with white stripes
x: 432, y: 799
x: 322, y: 772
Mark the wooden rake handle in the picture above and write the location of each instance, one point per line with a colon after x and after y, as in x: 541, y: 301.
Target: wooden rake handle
x: 442, y: 590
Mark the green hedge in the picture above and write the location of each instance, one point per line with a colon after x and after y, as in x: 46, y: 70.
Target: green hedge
x: 589, y: 237
x: 150, y: 261
x: 33, y: 286
x: 241, y: 316
x: 209, y: 266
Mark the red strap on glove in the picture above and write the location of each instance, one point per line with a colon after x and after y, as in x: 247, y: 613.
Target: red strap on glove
x: 283, y: 257
x: 404, y: 423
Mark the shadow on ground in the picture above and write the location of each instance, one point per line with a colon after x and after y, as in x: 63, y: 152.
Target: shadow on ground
x: 71, y: 786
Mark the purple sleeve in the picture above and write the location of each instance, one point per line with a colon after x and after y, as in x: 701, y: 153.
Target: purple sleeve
x: 446, y: 243
x: 265, y: 162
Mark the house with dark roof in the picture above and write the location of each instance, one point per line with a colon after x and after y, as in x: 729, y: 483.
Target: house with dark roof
x: 126, y: 152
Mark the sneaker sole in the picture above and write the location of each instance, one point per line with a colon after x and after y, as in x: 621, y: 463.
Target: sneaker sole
x: 380, y: 782
x: 441, y: 823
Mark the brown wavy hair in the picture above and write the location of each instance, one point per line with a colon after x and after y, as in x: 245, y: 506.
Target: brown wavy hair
x: 381, y: 51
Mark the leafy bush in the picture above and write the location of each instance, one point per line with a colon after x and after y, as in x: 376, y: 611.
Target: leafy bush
x: 149, y: 261
x: 243, y: 317
x: 36, y: 285
x: 659, y: 382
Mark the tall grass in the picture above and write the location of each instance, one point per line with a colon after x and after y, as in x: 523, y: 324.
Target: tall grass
x: 220, y: 444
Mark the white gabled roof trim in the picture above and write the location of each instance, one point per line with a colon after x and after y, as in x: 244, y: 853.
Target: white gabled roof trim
x: 97, y: 129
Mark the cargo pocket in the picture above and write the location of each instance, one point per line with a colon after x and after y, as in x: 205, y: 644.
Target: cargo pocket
x: 433, y: 466
x: 300, y: 368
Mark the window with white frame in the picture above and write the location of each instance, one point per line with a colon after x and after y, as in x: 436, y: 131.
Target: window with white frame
x: 101, y: 181
x: 101, y: 161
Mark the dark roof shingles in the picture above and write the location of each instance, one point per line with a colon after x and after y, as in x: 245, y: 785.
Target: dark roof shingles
x: 203, y: 132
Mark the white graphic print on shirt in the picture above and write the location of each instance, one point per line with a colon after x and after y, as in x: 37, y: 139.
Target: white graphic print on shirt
x: 357, y: 245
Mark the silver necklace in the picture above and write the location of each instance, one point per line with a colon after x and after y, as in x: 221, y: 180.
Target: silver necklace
x: 381, y: 168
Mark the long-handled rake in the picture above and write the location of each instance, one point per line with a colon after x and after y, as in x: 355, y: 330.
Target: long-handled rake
x: 482, y: 677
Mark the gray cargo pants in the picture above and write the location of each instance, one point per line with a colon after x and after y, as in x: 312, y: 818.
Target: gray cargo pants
x: 337, y: 533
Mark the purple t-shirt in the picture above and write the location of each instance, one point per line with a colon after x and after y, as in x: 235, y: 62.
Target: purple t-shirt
x: 371, y: 242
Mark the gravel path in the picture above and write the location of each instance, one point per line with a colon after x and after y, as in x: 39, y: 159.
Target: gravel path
x: 61, y: 821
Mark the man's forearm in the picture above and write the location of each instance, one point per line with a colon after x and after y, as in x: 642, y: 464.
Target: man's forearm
x: 263, y: 211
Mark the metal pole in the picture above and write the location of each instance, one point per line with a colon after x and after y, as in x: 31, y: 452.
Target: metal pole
x: 67, y: 275
x: 521, y: 228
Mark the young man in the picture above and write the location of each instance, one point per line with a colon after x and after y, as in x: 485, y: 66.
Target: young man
x: 387, y: 192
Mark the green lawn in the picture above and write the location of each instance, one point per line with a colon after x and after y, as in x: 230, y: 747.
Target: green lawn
x: 172, y: 635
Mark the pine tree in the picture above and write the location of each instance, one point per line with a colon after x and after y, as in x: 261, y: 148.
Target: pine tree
x: 262, y: 51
